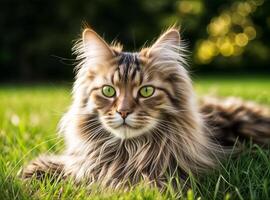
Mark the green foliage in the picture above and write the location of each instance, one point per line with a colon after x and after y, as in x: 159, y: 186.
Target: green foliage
x: 28, y: 121
x: 222, y: 34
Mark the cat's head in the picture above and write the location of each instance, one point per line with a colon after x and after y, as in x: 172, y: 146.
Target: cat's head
x: 132, y: 94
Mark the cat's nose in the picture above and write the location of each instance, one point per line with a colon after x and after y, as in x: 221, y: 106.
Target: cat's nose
x: 124, y: 113
x: 125, y: 106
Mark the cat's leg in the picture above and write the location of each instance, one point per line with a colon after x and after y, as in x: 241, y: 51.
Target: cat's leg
x: 51, y: 166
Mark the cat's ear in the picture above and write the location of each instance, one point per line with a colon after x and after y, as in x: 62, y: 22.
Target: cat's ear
x: 94, y: 46
x: 166, y: 43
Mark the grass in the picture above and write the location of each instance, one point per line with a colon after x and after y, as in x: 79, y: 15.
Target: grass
x: 28, y: 121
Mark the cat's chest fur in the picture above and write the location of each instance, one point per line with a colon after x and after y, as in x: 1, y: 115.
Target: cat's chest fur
x: 111, y: 161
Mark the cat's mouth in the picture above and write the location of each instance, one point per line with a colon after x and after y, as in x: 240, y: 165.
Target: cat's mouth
x: 124, y: 125
x: 127, y: 128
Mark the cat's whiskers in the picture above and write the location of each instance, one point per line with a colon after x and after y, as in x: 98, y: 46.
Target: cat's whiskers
x: 89, y: 128
x: 91, y: 134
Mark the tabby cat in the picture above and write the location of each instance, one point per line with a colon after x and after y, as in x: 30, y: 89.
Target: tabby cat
x: 135, y: 117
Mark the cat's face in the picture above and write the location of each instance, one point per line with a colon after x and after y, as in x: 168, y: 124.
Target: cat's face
x: 131, y: 92
x: 129, y: 101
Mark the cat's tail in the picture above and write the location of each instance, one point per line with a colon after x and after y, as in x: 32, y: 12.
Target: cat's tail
x: 232, y: 120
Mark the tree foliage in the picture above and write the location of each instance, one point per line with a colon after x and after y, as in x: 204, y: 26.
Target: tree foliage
x: 222, y: 34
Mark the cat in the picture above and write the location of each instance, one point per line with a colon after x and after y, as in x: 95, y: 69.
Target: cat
x: 135, y: 117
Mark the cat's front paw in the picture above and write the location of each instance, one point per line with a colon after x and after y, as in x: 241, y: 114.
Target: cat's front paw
x: 41, y: 167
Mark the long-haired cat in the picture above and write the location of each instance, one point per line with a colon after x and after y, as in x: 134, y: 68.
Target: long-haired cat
x: 134, y: 117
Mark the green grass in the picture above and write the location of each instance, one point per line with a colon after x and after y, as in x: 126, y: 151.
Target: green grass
x: 28, y: 122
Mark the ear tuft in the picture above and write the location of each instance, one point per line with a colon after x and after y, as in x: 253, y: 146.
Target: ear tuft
x: 168, y: 50
x: 94, y: 45
x: 168, y: 40
x: 93, y: 53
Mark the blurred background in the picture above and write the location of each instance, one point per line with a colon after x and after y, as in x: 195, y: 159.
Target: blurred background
x: 228, y: 37
x: 229, y: 55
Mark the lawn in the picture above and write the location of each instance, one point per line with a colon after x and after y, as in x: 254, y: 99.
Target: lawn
x: 28, y: 126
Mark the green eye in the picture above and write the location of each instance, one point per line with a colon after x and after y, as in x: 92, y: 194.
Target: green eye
x: 108, y: 91
x: 147, y: 91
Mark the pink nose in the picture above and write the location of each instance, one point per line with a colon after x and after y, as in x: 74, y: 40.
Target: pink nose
x: 123, y: 113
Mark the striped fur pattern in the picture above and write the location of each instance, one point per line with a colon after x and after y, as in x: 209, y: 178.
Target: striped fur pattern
x: 233, y: 120
x: 162, y: 136
x: 45, y: 166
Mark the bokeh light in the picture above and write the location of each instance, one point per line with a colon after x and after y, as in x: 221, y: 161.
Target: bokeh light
x: 229, y: 33
x: 190, y: 7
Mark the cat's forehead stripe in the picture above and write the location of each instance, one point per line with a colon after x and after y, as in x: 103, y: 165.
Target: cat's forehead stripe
x: 128, y: 66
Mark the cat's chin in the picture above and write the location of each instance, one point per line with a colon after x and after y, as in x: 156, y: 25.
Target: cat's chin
x: 126, y: 132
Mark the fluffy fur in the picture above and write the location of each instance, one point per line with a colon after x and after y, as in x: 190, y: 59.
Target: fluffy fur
x: 165, y: 135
